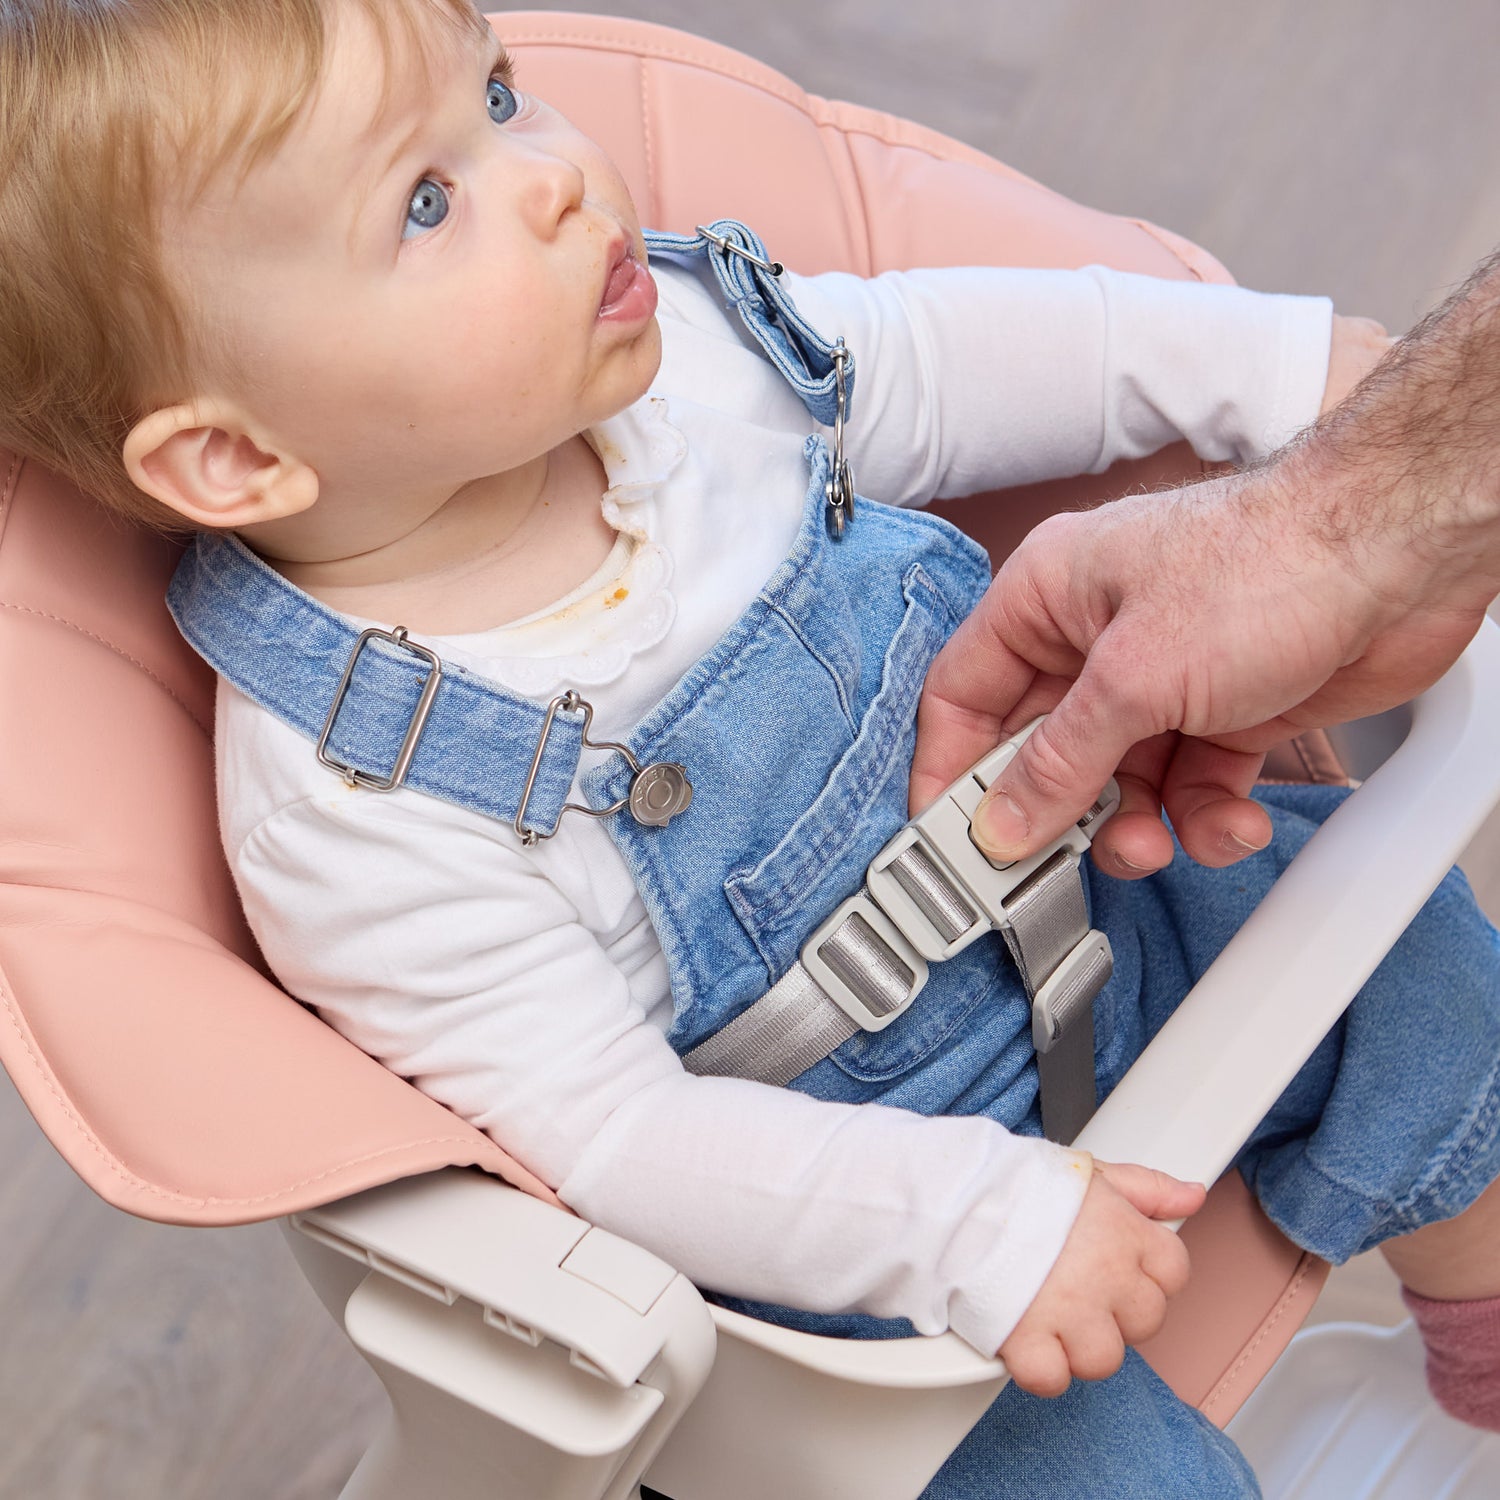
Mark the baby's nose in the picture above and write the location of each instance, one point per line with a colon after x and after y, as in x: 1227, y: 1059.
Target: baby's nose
x: 552, y: 188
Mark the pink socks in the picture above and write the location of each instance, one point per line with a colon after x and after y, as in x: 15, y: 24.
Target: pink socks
x: 1463, y: 1356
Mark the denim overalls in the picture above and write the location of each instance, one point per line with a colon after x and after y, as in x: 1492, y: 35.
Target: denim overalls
x: 797, y: 730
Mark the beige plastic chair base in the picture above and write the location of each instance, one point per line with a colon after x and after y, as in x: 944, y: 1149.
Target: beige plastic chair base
x: 1346, y: 1414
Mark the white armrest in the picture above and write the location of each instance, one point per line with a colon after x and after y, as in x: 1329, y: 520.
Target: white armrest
x: 536, y: 1271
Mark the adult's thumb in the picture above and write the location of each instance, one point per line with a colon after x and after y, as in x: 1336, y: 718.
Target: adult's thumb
x: 1051, y: 783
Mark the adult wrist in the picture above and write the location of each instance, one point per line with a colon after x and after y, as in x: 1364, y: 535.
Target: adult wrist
x: 1412, y: 459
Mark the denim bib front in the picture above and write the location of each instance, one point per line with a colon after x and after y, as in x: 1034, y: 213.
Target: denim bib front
x: 797, y: 729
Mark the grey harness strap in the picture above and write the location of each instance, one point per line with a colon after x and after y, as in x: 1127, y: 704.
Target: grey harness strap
x: 929, y: 894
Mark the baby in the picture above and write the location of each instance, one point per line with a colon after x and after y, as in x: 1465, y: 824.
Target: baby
x: 381, y: 328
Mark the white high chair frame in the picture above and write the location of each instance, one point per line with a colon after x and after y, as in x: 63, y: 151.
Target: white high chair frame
x: 528, y: 1354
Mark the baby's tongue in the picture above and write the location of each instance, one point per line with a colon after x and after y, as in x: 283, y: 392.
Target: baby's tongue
x: 619, y: 281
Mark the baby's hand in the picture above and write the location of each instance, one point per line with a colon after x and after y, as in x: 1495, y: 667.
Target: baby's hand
x: 1110, y: 1285
x: 1358, y: 345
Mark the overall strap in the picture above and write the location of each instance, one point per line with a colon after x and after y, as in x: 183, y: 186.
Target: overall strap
x: 383, y: 710
x: 750, y: 283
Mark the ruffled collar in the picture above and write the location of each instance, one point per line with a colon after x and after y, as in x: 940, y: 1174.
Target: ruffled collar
x: 590, y: 637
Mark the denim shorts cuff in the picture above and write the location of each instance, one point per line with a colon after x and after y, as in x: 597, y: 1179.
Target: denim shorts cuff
x: 1459, y: 1175
x: 1315, y: 1211
x: 1333, y: 1219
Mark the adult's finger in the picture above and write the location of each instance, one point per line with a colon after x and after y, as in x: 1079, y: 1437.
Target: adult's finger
x: 1206, y: 794
x: 974, y: 681
x: 977, y: 683
x: 1138, y: 843
x: 950, y: 738
x: 1061, y: 768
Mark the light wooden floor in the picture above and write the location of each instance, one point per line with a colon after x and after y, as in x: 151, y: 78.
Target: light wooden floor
x: 1340, y: 146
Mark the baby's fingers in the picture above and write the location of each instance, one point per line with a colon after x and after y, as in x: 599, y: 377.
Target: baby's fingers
x: 1155, y: 1194
x: 1141, y: 1314
x: 1165, y: 1261
x: 1037, y: 1362
x: 1095, y: 1349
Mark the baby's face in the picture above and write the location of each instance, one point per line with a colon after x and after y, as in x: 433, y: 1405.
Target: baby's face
x: 415, y: 296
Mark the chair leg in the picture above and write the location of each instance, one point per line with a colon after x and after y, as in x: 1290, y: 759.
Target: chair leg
x: 476, y: 1413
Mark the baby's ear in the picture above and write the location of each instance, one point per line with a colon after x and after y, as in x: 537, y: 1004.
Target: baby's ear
x: 202, y: 461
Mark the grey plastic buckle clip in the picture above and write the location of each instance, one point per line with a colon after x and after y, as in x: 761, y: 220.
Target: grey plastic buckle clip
x: 937, y: 850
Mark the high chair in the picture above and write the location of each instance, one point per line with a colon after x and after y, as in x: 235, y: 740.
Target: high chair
x: 527, y: 1353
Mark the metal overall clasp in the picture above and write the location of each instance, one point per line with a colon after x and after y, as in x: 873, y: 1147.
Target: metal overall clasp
x: 657, y: 793
x: 838, y: 492
x: 727, y: 246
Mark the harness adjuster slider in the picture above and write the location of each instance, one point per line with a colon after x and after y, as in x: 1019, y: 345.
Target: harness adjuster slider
x: 353, y: 776
x: 864, y: 964
x: 1070, y: 989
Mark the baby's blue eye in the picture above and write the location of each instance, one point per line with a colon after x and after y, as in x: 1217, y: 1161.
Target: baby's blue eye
x: 500, y: 100
x: 427, y: 209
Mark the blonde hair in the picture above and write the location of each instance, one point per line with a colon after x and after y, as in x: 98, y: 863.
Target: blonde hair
x: 109, y: 105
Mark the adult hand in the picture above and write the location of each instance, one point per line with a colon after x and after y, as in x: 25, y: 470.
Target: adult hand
x: 1176, y: 637
x: 1355, y: 347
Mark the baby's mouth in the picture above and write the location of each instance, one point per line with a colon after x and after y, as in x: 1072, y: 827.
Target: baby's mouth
x: 629, y: 291
x: 620, y: 277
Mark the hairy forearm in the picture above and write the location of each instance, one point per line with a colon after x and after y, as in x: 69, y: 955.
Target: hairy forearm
x: 1408, y: 468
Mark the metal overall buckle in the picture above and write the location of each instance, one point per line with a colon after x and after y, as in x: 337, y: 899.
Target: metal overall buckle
x: 353, y: 777
x: 727, y: 246
x: 838, y: 489
x: 657, y: 792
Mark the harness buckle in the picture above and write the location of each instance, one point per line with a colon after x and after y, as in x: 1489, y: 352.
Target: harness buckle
x: 936, y: 883
x: 930, y: 892
x: 352, y: 776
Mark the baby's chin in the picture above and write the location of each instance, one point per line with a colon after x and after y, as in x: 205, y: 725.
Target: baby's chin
x: 645, y: 365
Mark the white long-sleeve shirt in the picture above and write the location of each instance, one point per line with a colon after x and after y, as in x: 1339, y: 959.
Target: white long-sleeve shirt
x: 525, y: 988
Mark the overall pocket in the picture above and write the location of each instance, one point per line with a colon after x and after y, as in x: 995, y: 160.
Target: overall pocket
x: 822, y: 857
